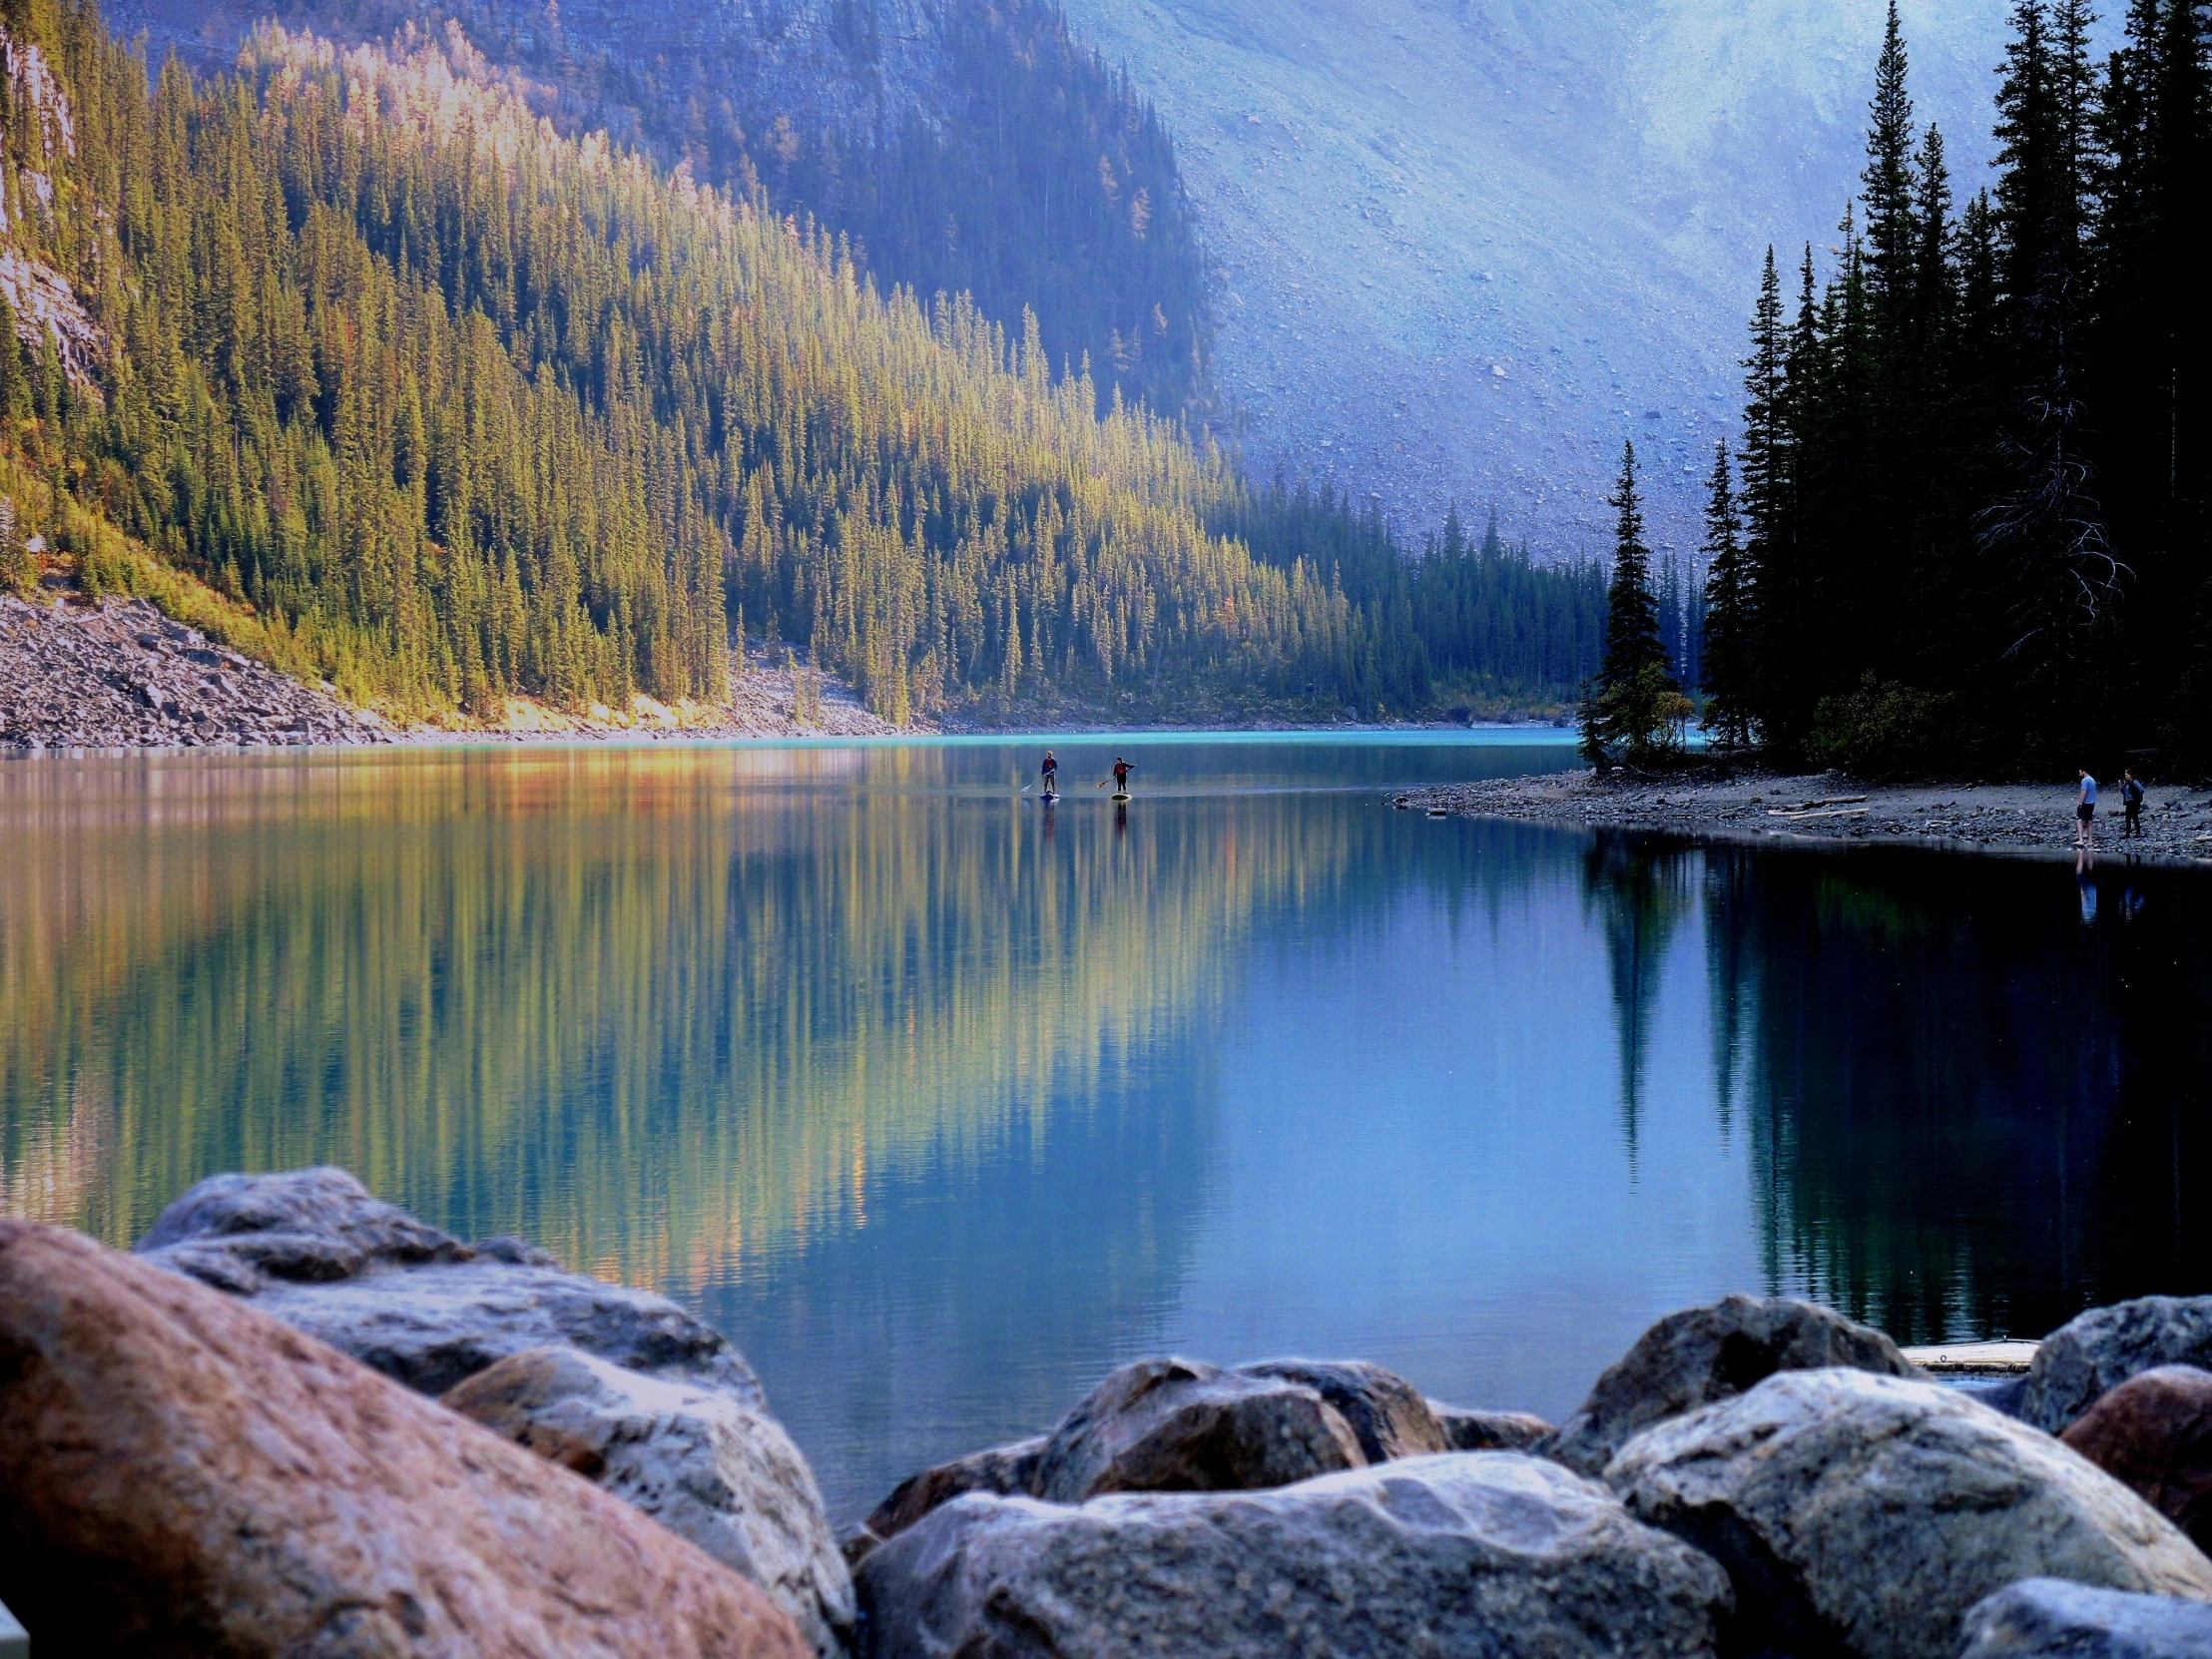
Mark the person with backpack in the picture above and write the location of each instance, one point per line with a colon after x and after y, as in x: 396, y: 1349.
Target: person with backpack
x: 2131, y: 805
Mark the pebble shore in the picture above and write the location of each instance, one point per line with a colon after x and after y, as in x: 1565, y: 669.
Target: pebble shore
x: 2030, y: 820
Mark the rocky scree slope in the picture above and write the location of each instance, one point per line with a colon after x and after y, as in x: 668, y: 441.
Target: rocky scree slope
x: 1469, y: 246
x: 116, y: 674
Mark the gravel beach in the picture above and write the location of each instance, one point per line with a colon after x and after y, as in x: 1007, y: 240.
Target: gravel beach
x: 2030, y: 820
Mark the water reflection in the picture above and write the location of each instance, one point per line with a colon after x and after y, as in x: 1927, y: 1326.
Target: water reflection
x: 942, y: 1101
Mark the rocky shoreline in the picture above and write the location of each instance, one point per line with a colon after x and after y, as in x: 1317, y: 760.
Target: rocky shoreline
x: 116, y: 674
x: 294, y: 1419
x: 1716, y: 803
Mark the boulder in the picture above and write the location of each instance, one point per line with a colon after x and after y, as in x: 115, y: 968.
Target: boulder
x: 704, y: 1467
x: 1864, y: 1514
x: 2098, y: 1350
x: 1181, y: 1426
x: 1702, y: 1355
x: 2153, y: 1434
x: 1385, y: 1412
x: 1459, y: 1553
x: 185, y: 1475
x: 315, y: 1249
x: 1003, y: 1470
x: 1471, y: 1431
x: 2049, y: 1618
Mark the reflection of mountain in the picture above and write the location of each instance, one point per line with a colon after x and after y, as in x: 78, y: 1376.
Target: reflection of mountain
x: 1966, y: 1113
x: 626, y: 1003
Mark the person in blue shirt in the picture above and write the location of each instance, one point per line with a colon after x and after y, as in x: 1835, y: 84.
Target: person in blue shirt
x: 2132, y: 803
x: 2085, y: 810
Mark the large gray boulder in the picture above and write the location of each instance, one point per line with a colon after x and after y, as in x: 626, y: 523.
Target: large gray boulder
x: 1388, y: 1414
x: 1864, y: 1514
x: 2100, y: 1349
x: 711, y: 1471
x: 2048, y: 1618
x: 315, y: 1249
x: 1483, y: 1554
x: 1181, y: 1426
x: 1702, y: 1355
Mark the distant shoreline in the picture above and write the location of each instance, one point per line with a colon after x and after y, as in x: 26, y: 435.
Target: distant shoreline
x: 1826, y: 809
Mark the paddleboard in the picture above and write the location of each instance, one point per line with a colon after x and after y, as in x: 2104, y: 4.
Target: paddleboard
x: 1048, y: 800
x: 1122, y: 797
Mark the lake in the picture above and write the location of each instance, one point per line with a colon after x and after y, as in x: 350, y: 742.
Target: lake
x: 941, y: 1102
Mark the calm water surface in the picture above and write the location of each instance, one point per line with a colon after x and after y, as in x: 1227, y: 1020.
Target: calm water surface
x: 940, y: 1103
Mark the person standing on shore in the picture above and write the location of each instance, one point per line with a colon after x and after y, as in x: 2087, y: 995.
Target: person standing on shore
x: 2085, y: 810
x: 2132, y: 803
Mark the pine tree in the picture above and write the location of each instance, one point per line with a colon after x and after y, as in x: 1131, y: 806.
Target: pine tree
x: 1635, y: 700
x: 1731, y: 618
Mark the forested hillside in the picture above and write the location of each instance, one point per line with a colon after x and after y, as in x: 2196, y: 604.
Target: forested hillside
x: 972, y: 146
x: 462, y: 408
x: 1975, y: 466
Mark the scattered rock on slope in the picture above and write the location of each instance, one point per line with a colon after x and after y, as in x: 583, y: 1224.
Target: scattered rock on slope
x: 1864, y: 1514
x: 1483, y: 1552
x: 187, y: 1476
x: 118, y: 674
x: 1700, y: 1355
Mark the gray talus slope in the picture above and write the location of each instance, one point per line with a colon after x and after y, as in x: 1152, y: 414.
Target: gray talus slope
x: 1470, y: 245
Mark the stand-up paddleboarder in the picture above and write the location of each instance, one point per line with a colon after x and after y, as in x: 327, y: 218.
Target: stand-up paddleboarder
x: 1122, y: 769
x: 1051, y: 777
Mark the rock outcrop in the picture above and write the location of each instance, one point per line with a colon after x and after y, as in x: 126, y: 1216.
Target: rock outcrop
x: 186, y: 1476
x: 1477, y: 1553
x: 1864, y: 1515
x: 2153, y: 1434
x: 725, y: 1477
x: 314, y: 1249
x: 1466, y: 1429
x: 2048, y: 1618
x: 1702, y: 1355
x: 2096, y: 1351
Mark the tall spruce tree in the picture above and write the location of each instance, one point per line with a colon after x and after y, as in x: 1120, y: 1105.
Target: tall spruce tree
x: 1632, y: 710
x: 1731, y: 619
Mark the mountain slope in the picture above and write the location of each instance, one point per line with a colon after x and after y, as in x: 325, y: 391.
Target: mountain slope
x: 461, y: 408
x: 1471, y: 245
x: 960, y: 145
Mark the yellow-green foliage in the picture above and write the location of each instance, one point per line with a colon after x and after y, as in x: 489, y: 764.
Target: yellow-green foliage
x: 470, y: 408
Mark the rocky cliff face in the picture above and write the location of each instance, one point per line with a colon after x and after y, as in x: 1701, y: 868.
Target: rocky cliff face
x: 1469, y: 245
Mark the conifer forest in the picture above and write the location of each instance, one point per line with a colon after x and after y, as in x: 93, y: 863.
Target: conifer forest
x: 460, y: 406
x: 1965, y: 527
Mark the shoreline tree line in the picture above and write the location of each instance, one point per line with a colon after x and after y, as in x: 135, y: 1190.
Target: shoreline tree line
x: 1965, y: 527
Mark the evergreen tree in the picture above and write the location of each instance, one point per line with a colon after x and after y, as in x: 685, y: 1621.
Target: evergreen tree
x: 1731, y: 616
x: 1635, y: 701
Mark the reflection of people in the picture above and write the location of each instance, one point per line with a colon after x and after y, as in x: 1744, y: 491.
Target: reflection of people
x: 2088, y: 897
x: 2132, y: 803
x: 2085, y: 810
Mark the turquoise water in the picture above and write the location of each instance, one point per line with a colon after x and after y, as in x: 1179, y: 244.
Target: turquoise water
x: 941, y: 1102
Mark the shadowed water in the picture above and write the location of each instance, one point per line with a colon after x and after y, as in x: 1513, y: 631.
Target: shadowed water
x: 941, y: 1102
